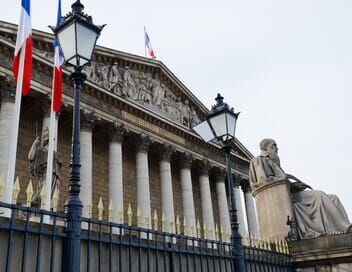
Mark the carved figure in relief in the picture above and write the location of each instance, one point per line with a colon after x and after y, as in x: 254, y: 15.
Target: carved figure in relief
x: 157, y: 91
x: 90, y: 71
x: 194, y: 117
x: 105, y: 69
x: 315, y: 211
x: 143, y: 94
x: 37, y: 156
x: 186, y: 113
x: 178, y: 109
x: 115, y: 80
x: 128, y: 88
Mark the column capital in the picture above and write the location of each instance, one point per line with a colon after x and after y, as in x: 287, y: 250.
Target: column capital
x: 88, y: 120
x: 166, y: 151
x: 236, y: 180
x: 186, y: 160
x: 245, y: 185
x: 143, y: 143
x: 8, y: 89
x: 117, y: 132
x: 204, y: 167
x: 220, y: 174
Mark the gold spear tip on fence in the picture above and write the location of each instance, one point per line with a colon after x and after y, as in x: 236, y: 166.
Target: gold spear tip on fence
x: 129, y: 214
x: 16, y: 190
x: 205, y: 234
x: 55, y: 201
x: 199, y: 231
x: 90, y: 208
x: 100, y: 209
x: 178, y: 225
x: 216, y: 232
x: 120, y: 215
x: 2, y: 185
x: 138, y: 216
x: 147, y: 218
x: 29, y: 193
x: 155, y: 218
x: 163, y: 228
x: 111, y: 211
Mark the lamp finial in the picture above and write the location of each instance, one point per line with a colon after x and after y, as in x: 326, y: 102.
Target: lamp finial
x: 77, y: 7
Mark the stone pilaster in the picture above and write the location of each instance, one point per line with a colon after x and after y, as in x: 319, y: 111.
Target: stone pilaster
x: 88, y: 120
x: 240, y: 215
x: 142, y: 176
x: 222, y: 199
x: 167, y: 197
x: 187, y: 194
x: 8, y: 91
x: 206, y: 201
x: 253, y: 227
x: 117, y: 133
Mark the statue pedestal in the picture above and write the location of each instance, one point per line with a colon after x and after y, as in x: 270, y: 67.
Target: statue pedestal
x: 273, y: 202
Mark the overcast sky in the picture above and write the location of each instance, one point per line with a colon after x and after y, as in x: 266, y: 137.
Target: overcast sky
x: 286, y: 65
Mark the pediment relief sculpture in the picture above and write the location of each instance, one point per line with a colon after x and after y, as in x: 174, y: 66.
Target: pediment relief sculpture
x: 145, y: 89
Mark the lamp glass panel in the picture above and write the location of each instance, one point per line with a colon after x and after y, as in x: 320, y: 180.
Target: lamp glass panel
x: 67, y: 41
x: 218, y: 123
x: 231, y: 123
x: 204, y: 131
x: 86, y: 39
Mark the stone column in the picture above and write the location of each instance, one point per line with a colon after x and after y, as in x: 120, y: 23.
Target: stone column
x: 142, y: 176
x: 7, y: 91
x: 187, y: 195
x: 116, y: 134
x: 87, y: 124
x: 167, y: 197
x: 253, y: 228
x: 240, y: 216
x: 223, y: 205
x: 206, y: 201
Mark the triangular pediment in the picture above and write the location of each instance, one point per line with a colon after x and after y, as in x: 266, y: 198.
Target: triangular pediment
x: 147, y: 83
x: 146, y: 86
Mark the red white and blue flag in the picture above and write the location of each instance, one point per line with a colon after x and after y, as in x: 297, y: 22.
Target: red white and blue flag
x: 58, y: 61
x: 24, y: 44
x: 148, y: 45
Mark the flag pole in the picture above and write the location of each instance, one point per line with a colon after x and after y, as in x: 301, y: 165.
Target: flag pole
x: 145, y: 51
x: 14, y: 133
x: 51, y: 149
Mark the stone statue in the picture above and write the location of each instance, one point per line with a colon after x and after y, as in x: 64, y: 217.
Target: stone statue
x: 37, y: 156
x: 315, y: 212
x: 128, y: 88
x: 115, y: 80
x: 157, y: 91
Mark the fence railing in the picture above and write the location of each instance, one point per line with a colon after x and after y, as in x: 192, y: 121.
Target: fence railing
x: 33, y: 239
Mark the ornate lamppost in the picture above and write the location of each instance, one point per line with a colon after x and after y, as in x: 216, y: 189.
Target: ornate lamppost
x: 220, y: 124
x: 77, y: 37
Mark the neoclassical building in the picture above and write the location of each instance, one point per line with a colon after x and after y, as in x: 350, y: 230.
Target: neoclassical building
x: 138, y: 149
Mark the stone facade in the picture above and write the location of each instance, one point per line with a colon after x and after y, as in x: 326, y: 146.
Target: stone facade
x: 138, y: 93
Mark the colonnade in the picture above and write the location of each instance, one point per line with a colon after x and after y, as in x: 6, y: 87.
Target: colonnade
x: 186, y: 163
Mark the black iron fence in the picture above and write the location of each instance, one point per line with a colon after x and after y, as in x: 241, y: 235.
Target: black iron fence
x: 33, y: 240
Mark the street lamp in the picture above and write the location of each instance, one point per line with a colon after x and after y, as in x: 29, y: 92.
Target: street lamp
x: 77, y: 37
x: 220, y: 124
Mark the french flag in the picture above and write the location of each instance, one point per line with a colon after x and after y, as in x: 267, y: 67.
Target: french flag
x: 148, y: 45
x: 58, y: 61
x: 24, y: 44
